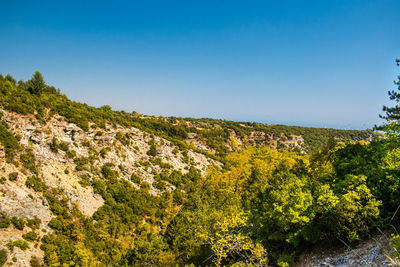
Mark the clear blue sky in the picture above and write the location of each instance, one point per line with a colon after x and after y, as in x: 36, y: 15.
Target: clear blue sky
x: 311, y: 63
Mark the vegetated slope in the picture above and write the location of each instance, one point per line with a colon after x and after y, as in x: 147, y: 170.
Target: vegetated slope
x: 100, y: 186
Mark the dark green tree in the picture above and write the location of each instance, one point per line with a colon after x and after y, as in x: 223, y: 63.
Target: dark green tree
x: 36, y: 85
x: 392, y: 114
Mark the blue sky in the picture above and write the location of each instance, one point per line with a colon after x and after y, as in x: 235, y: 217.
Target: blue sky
x: 310, y: 63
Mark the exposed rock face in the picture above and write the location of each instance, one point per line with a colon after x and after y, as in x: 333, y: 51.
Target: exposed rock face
x: 19, y: 201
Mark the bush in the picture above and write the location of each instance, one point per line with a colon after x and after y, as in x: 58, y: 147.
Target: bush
x: 85, y: 180
x: 28, y: 161
x: 30, y: 236
x: 153, y: 148
x: 3, y: 256
x: 13, y: 176
x: 53, y: 145
x: 34, y: 224
x: 135, y: 178
x: 9, y: 141
x: 22, y: 244
x: 34, y: 262
x: 4, y: 221
x: 107, y: 172
x: 18, y: 223
x: 36, y: 183
x: 80, y: 163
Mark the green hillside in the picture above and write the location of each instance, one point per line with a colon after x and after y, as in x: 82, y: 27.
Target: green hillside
x: 244, y: 194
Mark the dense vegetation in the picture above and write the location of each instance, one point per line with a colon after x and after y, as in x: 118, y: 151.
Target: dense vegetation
x: 265, y: 206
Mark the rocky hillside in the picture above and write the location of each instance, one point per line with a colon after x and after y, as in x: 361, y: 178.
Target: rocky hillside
x: 83, y: 185
x: 68, y: 158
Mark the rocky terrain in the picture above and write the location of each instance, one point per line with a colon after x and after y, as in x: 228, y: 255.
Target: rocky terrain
x: 373, y: 252
x: 80, y: 158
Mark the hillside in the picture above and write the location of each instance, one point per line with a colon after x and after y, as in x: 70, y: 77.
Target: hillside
x: 91, y: 186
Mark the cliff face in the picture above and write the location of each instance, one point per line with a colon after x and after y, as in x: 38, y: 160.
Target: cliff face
x: 67, y: 159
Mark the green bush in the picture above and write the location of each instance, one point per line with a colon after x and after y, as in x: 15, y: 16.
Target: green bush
x: 34, y: 262
x: 153, y: 148
x: 136, y: 179
x: 80, y: 163
x: 85, y: 180
x: 22, y: 244
x: 4, y: 221
x: 9, y: 141
x: 3, y: 256
x: 13, y: 176
x: 34, y: 223
x: 36, y: 184
x: 28, y: 161
x: 18, y: 223
x: 107, y: 172
x: 30, y: 236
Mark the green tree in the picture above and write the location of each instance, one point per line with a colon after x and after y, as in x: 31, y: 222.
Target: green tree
x: 36, y: 85
x: 392, y: 114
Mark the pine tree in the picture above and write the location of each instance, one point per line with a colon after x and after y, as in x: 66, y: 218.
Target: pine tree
x: 392, y: 114
x: 36, y: 85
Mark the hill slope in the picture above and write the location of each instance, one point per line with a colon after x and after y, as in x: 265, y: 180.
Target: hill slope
x: 96, y: 185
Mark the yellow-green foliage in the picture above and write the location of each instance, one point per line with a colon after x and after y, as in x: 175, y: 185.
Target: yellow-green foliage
x: 229, y: 237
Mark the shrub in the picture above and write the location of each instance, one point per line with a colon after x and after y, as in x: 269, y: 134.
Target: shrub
x: 107, y: 172
x: 63, y: 146
x: 34, y: 223
x: 70, y: 154
x: 153, y: 148
x: 13, y: 176
x: 135, y: 178
x: 53, y: 145
x: 30, y: 236
x: 85, y: 180
x: 80, y: 163
x: 3, y: 256
x: 28, y: 161
x: 9, y: 141
x: 34, y: 262
x: 103, y: 152
x: 160, y: 184
x: 22, y: 244
x: 4, y: 221
x: 36, y: 183
x: 18, y: 223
